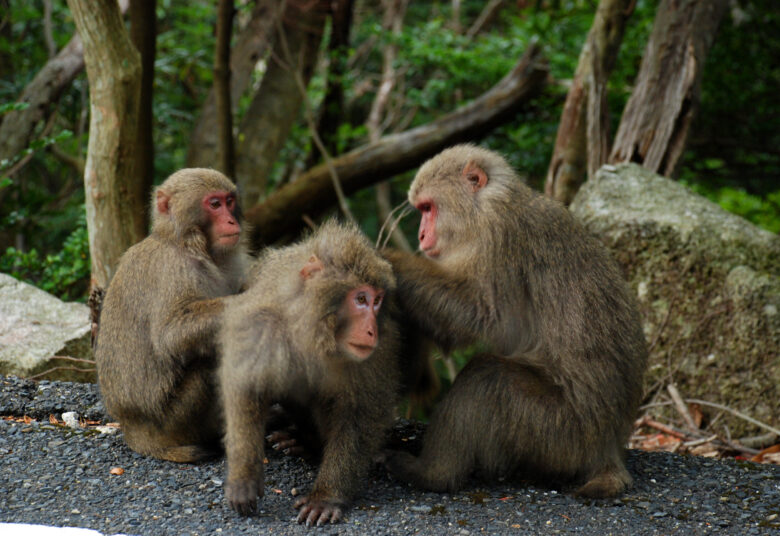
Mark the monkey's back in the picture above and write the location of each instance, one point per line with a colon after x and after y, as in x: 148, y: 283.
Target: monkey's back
x: 136, y: 377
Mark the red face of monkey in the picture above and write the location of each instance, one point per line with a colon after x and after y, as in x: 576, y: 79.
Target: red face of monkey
x: 361, y: 308
x: 220, y: 207
x: 458, y: 191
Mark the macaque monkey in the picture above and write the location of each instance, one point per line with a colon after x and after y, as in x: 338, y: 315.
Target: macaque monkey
x: 311, y: 333
x: 557, y: 392
x: 156, y: 349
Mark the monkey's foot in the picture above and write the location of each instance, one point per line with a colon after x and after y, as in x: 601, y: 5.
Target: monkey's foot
x: 399, y: 464
x: 284, y: 441
x: 318, y: 511
x: 607, y: 483
x: 242, y: 495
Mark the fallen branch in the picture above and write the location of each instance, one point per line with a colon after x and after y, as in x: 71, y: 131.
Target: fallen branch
x: 313, y: 192
x: 48, y: 371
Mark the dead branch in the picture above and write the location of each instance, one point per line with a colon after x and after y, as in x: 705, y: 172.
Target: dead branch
x: 280, y: 214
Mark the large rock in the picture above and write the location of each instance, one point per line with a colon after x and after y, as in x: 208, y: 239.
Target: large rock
x: 35, y: 327
x: 708, y: 284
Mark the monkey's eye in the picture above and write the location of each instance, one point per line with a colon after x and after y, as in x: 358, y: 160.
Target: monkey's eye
x: 424, y: 207
x: 230, y: 202
x: 361, y: 299
x: 214, y: 203
x: 378, y: 301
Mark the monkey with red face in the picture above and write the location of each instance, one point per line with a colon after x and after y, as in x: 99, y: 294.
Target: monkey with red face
x: 311, y: 333
x: 557, y: 392
x: 156, y: 344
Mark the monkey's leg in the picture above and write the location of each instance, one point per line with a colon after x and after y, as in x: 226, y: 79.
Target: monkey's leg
x: 150, y: 439
x: 494, y: 418
x: 463, y: 424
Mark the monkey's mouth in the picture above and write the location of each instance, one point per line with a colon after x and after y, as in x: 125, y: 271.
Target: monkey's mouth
x: 431, y: 252
x: 361, y: 350
x: 230, y: 238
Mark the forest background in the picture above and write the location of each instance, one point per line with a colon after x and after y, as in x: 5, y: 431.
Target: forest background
x: 315, y: 86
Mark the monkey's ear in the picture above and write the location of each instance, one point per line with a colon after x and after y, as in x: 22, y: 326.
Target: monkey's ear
x: 162, y: 202
x: 475, y: 175
x: 312, y: 266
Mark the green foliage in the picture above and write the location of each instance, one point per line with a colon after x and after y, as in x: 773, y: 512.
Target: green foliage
x: 761, y: 211
x: 64, y: 274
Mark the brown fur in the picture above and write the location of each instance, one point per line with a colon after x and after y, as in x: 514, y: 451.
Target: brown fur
x: 280, y: 341
x: 156, y: 351
x: 558, y: 392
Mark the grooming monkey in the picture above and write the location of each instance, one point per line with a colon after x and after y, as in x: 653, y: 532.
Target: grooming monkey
x: 559, y: 388
x: 311, y: 333
x: 156, y: 346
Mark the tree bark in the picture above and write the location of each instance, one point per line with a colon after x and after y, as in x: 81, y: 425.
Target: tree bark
x: 582, y: 143
x: 278, y: 101
x: 222, y: 87
x: 114, y: 210
x: 655, y: 123
x: 143, y: 32
x: 282, y: 212
x: 332, y: 108
x: 252, y: 44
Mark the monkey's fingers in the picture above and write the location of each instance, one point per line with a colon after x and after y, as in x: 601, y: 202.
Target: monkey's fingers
x: 317, y: 512
x: 242, y: 495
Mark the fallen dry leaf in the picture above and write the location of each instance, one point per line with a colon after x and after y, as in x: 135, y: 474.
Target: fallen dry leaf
x: 117, y: 471
x: 53, y: 420
x: 773, y: 453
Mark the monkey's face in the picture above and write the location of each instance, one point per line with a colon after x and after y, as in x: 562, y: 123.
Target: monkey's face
x: 223, y: 228
x: 358, y: 335
x: 447, y: 200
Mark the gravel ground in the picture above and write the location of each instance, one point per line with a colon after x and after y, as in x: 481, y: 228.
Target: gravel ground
x: 58, y: 476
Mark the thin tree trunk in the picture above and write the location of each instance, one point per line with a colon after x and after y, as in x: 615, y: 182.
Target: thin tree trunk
x: 281, y: 214
x: 252, y: 44
x: 222, y: 87
x: 655, y: 123
x: 392, y: 21
x: 487, y: 14
x: 143, y: 32
x: 278, y: 101
x: 582, y: 143
x: 114, y: 211
x: 332, y: 108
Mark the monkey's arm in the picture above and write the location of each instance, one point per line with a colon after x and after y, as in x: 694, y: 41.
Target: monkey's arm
x: 354, y: 433
x: 449, y: 307
x: 187, y: 327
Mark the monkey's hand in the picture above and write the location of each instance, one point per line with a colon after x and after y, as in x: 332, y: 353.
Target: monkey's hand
x: 242, y: 496
x: 318, y: 511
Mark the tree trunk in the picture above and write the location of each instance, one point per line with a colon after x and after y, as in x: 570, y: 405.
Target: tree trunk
x: 251, y: 45
x: 143, y: 32
x: 281, y: 213
x: 657, y: 117
x: 582, y: 143
x: 278, y: 101
x: 114, y: 210
x: 222, y: 87
x: 17, y: 128
x: 332, y: 109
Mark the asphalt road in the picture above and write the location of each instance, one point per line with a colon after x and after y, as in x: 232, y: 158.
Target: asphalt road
x: 54, y: 475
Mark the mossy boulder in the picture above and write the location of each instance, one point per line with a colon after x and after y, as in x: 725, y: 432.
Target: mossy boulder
x: 37, y: 330
x: 708, y: 284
